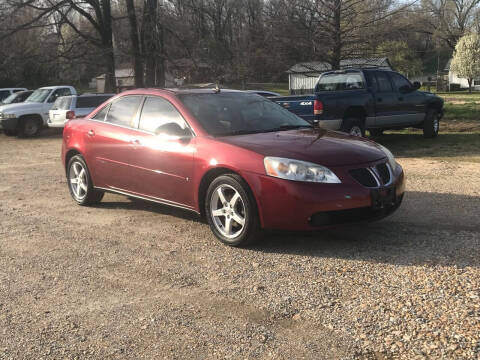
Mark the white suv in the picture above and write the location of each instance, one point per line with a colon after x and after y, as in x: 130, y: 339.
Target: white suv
x: 70, y: 107
x: 27, y: 118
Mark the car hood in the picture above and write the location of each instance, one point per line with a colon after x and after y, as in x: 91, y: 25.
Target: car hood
x: 19, y: 107
x: 318, y: 146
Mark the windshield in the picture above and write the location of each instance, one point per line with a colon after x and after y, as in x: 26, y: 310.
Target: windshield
x: 234, y: 113
x: 10, y: 98
x: 38, y: 96
x: 338, y: 82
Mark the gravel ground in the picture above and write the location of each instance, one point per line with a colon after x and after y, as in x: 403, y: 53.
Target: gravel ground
x: 133, y: 280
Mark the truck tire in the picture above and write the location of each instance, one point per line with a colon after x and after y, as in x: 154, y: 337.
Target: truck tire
x: 376, y: 132
x: 29, y: 126
x: 431, y: 125
x: 353, y: 126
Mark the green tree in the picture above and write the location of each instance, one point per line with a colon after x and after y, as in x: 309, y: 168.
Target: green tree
x: 402, y: 57
x: 466, y: 58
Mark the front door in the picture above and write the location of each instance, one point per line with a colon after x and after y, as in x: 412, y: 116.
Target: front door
x: 164, y: 153
x: 410, y: 103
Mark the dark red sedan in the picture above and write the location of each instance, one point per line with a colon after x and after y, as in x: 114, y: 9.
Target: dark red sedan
x: 241, y: 160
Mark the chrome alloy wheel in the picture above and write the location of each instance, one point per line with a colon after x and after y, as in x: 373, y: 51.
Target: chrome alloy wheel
x: 228, y: 211
x: 356, y: 131
x: 436, y: 124
x: 78, y: 181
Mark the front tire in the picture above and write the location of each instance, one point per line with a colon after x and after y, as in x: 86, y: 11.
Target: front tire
x: 431, y: 125
x: 80, y: 183
x: 29, y: 127
x: 353, y: 126
x: 232, y: 211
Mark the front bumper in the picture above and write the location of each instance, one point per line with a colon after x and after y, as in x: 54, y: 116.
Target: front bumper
x: 9, y: 124
x: 298, y: 206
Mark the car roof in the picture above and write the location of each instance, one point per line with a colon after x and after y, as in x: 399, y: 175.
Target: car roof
x: 13, y: 88
x: 158, y: 91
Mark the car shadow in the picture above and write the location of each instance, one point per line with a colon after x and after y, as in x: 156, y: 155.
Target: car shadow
x: 429, y: 229
x: 133, y: 204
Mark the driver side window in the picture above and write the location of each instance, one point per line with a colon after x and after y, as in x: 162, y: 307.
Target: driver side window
x: 59, y: 92
x: 160, y: 116
x: 401, y: 84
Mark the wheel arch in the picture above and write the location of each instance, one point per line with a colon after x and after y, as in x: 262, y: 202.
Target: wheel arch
x: 31, y: 116
x: 207, y: 179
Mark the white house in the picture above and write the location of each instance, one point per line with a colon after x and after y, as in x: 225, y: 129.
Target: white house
x: 303, y: 77
x: 455, y: 80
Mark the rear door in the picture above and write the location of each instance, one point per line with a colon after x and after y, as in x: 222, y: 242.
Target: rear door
x: 385, y: 100
x: 110, y: 136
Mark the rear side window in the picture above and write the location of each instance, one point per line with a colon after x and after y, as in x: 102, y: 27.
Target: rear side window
x: 62, y: 103
x: 383, y: 82
x: 123, y: 110
x: 338, y: 82
x: 90, y: 101
x: 157, y: 112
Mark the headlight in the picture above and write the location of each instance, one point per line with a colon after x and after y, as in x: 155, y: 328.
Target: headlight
x: 391, y: 159
x: 7, y: 116
x: 297, y: 170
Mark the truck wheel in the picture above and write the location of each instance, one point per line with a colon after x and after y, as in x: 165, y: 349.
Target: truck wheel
x: 376, y: 132
x: 353, y: 127
x: 431, y: 125
x: 29, y: 127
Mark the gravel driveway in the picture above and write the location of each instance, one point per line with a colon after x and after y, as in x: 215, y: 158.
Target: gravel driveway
x: 133, y: 280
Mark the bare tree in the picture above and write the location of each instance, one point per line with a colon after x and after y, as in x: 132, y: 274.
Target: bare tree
x: 137, y: 55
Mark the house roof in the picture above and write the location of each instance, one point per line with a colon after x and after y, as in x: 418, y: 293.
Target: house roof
x: 320, y: 66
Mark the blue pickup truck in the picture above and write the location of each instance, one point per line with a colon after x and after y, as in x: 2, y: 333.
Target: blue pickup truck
x: 357, y: 100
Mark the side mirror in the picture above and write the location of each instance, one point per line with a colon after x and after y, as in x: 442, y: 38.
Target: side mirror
x: 416, y: 85
x: 173, y: 130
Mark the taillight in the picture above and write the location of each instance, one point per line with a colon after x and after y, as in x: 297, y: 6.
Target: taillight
x: 317, y: 107
x: 70, y: 115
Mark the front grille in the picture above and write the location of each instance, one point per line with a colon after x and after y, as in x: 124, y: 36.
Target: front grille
x: 384, y: 173
x: 364, y: 176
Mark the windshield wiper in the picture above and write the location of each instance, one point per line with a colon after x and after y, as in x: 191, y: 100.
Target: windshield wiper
x: 291, y: 127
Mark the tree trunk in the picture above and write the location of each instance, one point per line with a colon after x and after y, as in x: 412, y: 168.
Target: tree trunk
x: 149, y: 35
x: 107, y: 45
x: 137, y: 56
x: 470, y: 85
x: 160, y: 68
x: 337, y: 36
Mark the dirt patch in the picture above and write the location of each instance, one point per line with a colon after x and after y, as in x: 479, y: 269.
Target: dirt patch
x: 127, y: 280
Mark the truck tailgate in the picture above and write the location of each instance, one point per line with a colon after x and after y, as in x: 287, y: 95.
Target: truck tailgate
x: 300, y: 105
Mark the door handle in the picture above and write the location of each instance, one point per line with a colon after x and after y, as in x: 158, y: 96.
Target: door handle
x: 400, y: 99
x: 91, y: 133
x: 379, y: 99
x: 135, y: 142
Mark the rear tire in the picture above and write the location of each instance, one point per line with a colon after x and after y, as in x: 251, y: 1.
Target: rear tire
x: 376, y: 132
x: 80, y: 183
x: 353, y: 126
x: 29, y: 127
x: 231, y: 211
x: 431, y: 125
